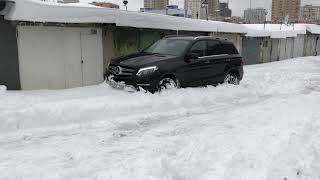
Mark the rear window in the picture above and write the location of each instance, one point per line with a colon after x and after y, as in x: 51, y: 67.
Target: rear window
x: 214, y: 48
x: 229, y: 48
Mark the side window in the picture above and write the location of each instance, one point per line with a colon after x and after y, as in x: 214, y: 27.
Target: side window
x: 214, y: 48
x: 199, y: 48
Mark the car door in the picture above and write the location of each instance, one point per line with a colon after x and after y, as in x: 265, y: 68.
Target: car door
x: 219, y: 59
x: 197, y: 71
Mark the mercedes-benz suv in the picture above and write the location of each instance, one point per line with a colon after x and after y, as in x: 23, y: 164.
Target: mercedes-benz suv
x: 179, y: 61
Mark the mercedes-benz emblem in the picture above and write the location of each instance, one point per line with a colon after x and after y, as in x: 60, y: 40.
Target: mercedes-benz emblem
x: 118, y: 70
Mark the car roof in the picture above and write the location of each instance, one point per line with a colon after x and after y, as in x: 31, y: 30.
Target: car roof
x: 198, y: 38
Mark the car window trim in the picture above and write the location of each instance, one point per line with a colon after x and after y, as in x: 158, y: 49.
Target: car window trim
x: 213, y: 56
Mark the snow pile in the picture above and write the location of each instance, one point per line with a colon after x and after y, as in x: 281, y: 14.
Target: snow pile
x: 266, y: 128
x: 3, y: 88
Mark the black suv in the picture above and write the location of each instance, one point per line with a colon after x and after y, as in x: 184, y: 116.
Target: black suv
x: 179, y: 61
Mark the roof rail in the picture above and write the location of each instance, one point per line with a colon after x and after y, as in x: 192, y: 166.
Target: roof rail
x: 168, y: 36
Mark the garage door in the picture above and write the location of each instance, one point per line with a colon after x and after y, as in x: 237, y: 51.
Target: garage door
x: 52, y: 57
x: 92, y: 64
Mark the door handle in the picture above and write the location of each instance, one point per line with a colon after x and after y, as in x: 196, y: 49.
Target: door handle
x: 207, y: 62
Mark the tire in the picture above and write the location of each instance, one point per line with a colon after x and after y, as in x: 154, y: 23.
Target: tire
x: 168, y: 83
x: 232, y: 78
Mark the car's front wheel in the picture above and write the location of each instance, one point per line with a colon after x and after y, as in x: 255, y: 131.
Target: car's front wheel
x: 232, y: 78
x: 168, y: 83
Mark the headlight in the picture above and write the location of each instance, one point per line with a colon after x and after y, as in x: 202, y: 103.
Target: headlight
x: 147, y: 70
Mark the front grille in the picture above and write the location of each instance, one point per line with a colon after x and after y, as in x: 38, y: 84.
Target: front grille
x: 120, y: 70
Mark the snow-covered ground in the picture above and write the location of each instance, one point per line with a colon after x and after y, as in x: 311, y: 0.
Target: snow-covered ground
x: 268, y: 128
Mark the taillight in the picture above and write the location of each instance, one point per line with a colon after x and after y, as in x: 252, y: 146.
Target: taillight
x: 242, y: 62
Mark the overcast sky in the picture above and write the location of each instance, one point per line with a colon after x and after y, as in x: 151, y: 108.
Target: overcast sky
x: 237, y: 6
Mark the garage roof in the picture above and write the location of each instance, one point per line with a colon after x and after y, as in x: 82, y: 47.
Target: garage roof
x: 38, y: 11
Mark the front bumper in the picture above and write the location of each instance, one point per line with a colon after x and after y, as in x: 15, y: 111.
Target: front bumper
x: 146, y: 83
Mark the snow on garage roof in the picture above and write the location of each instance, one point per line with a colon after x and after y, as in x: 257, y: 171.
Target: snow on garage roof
x: 38, y: 11
x: 281, y: 31
x: 275, y: 30
x: 313, y: 28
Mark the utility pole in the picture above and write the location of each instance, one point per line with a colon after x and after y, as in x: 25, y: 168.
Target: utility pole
x: 125, y: 3
x: 265, y: 20
x: 205, y: 5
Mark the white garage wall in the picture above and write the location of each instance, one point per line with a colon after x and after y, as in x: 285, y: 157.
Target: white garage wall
x: 50, y: 57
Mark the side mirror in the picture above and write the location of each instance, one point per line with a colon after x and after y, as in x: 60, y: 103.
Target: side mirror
x: 191, y: 56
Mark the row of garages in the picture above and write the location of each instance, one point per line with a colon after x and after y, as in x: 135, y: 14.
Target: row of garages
x: 44, y: 46
x: 265, y: 49
x: 37, y: 56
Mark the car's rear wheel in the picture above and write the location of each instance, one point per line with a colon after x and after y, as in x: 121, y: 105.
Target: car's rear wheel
x: 232, y: 78
x: 168, y: 83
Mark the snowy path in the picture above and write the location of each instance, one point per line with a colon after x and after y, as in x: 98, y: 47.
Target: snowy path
x: 266, y: 128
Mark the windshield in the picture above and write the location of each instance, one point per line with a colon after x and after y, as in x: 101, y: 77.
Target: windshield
x: 175, y: 47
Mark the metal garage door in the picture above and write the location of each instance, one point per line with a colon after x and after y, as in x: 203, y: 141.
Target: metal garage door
x: 289, y: 48
x: 92, y: 64
x: 318, y: 46
x: 275, y: 56
x: 251, y: 50
x: 282, y: 52
x: 51, y: 57
x: 9, y: 65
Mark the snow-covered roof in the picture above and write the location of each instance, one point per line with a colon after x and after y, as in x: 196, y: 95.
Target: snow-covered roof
x: 275, y: 30
x: 280, y: 31
x: 313, y: 28
x: 38, y: 11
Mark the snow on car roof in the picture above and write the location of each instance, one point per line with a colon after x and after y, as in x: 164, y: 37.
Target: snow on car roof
x: 38, y: 11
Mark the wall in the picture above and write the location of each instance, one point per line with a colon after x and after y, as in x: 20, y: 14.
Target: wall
x: 9, y: 65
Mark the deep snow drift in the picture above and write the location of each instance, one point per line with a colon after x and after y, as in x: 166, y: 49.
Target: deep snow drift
x: 268, y: 128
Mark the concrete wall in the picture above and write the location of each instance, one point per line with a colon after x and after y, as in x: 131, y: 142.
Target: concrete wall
x: 9, y: 65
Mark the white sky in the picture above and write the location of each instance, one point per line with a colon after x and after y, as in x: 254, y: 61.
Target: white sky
x: 237, y: 6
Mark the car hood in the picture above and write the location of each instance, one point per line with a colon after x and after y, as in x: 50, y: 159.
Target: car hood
x: 142, y: 59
